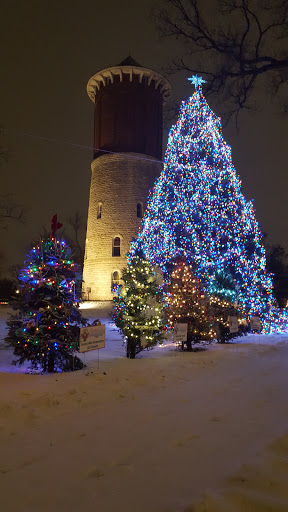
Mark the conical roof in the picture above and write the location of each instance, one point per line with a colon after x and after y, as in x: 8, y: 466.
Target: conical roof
x: 129, y: 61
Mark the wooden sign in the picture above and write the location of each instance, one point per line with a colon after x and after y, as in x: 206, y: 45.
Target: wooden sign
x: 233, y: 324
x: 92, y: 338
x: 180, y: 333
x: 255, y: 323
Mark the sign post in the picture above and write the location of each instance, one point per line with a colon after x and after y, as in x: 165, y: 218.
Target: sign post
x: 255, y: 323
x: 92, y: 338
x: 233, y: 324
x: 180, y: 333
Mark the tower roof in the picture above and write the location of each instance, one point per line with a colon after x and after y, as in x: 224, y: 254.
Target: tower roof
x: 128, y: 67
x: 129, y: 61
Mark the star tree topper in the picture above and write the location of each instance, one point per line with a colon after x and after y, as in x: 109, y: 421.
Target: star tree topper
x: 197, y: 81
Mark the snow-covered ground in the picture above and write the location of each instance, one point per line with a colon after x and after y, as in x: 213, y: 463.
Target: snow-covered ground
x: 168, y: 432
x: 114, y: 343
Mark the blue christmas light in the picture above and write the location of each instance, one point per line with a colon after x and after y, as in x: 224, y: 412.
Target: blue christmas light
x: 198, y: 212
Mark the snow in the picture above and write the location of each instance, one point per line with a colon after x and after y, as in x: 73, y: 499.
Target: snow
x: 170, y: 431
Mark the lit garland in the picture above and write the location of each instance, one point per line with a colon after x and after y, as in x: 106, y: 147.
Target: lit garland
x: 45, y: 328
x: 198, y: 212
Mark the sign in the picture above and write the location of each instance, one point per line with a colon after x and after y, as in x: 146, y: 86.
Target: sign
x: 92, y: 338
x: 180, y: 332
x: 255, y: 323
x: 143, y: 341
x: 233, y: 324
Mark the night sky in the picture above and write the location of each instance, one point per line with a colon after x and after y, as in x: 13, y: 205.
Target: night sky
x: 49, y: 52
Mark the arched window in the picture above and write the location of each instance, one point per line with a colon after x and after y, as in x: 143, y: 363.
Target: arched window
x: 99, y: 210
x: 140, y: 210
x: 116, y: 277
x: 116, y: 246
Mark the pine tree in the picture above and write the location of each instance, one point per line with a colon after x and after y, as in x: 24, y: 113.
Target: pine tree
x: 187, y: 302
x: 45, y: 328
x: 137, y: 306
x: 198, y: 212
x: 223, y: 299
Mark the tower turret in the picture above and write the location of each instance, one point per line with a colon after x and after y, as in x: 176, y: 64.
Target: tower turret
x: 127, y: 152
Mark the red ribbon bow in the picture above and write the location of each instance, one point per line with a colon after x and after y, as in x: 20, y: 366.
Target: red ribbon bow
x: 55, y: 225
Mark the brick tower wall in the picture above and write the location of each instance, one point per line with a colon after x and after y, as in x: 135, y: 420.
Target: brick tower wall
x: 118, y: 183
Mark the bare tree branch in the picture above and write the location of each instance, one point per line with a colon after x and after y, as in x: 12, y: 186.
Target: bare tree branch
x: 76, y: 222
x: 243, y: 41
x: 10, y: 211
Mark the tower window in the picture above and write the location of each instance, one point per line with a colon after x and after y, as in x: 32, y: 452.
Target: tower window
x: 99, y: 210
x: 139, y: 210
x: 116, y: 246
x: 116, y: 277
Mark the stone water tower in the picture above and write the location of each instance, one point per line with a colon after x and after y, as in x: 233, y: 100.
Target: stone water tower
x: 127, y: 159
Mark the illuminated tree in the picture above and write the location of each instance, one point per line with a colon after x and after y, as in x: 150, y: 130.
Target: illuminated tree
x: 198, y: 212
x: 138, y: 309
x: 45, y: 328
x: 187, y: 302
x: 223, y: 303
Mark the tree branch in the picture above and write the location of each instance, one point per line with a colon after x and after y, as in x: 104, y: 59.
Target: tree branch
x: 238, y: 49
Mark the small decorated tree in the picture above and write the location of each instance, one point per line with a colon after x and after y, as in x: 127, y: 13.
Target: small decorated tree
x: 45, y: 328
x: 187, y: 302
x: 137, y: 306
x: 223, y: 297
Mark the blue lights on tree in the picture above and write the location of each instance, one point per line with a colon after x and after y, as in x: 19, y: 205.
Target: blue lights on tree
x: 198, y: 212
x: 44, y: 329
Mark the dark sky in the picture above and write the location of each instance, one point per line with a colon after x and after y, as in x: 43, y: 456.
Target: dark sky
x: 49, y: 51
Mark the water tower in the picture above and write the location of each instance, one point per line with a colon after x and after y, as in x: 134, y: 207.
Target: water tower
x: 128, y: 113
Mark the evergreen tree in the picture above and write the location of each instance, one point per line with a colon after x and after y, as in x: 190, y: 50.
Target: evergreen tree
x: 137, y: 306
x: 45, y: 328
x: 198, y: 212
x: 187, y: 302
x: 223, y: 303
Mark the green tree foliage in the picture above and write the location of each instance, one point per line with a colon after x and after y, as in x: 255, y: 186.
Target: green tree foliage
x: 137, y: 306
x: 186, y: 302
x: 44, y: 330
x: 223, y: 303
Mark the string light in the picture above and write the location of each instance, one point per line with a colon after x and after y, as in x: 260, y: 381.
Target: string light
x: 198, y: 212
x: 138, y: 310
x: 48, y: 317
x: 186, y: 301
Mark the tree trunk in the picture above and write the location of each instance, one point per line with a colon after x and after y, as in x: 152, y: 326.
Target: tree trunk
x: 189, y: 342
x: 51, y: 360
x: 45, y: 360
x: 131, y: 349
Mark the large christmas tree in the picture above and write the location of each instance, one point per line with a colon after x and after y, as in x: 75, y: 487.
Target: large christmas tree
x: 45, y: 328
x: 198, y: 212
